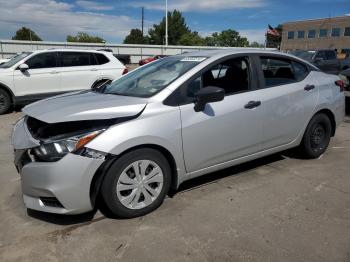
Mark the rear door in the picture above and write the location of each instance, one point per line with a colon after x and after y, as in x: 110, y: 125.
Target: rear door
x: 78, y: 70
x: 225, y: 130
x: 41, y: 78
x: 288, y: 101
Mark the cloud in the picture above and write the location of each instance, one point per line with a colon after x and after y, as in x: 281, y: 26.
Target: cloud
x: 200, y: 5
x: 91, y: 5
x: 54, y: 20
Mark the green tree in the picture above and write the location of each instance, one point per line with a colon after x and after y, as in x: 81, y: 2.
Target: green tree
x: 191, y: 39
x: 135, y: 37
x: 176, y: 29
x: 227, y: 38
x: 256, y: 44
x: 85, y: 38
x: 275, y: 41
x: 25, y: 33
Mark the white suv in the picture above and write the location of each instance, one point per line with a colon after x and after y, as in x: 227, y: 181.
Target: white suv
x: 31, y: 76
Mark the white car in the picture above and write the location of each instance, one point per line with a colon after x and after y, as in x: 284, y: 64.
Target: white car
x: 2, y: 61
x: 31, y: 76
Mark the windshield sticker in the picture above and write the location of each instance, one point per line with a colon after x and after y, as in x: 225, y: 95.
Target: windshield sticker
x: 193, y: 59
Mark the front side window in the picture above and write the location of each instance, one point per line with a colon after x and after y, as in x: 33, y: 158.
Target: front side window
x: 69, y: 59
x: 312, y: 33
x: 290, y: 35
x: 335, y: 32
x: 153, y: 77
x: 301, y: 34
x: 43, y: 60
x: 281, y: 72
x: 347, y: 31
x: 323, y: 32
x: 231, y: 75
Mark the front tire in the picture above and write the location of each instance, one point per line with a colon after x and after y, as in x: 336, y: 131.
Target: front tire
x: 316, y: 137
x: 5, y: 101
x: 136, y: 184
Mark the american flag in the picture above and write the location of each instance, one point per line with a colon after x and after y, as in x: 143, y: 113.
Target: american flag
x: 272, y: 31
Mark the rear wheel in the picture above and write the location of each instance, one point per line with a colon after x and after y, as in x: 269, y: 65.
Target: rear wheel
x: 101, y: 83
x: 317, y: 136
x: 136, y: 184
x: 5, y: 101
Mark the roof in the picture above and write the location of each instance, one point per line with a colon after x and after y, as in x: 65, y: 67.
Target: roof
x: 229, y: 51
x: 318, y: 19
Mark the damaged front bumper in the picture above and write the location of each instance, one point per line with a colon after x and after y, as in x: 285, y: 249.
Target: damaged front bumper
x: 61, y: 187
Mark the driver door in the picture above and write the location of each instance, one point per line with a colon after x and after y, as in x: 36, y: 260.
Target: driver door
x: 224, y: 130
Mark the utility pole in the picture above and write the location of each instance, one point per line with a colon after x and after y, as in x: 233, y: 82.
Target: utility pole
x: 166, y: 22
x: 142, y: 19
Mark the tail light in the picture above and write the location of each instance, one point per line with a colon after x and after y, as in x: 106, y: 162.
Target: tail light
x: 125, y: 71
x: 341, y: 85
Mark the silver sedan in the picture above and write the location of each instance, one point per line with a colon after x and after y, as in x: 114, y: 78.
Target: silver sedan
x: 174, y: 119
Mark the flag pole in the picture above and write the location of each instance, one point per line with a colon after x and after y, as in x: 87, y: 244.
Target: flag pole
x: 265, y: 45
x: 166, y: 23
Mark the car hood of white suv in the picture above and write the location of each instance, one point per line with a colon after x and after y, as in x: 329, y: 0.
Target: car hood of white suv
x: 85, y: 105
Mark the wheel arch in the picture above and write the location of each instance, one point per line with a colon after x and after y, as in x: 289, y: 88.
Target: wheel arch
x: 101, y: 172
x: 99, y: 80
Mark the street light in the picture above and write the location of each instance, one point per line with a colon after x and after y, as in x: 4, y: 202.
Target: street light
x: 166, y: 22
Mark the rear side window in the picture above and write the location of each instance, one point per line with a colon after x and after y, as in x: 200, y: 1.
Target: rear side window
x: 77, y: 59
x: 43, y: 60
x: 281, y: 72
x: 101, y: 59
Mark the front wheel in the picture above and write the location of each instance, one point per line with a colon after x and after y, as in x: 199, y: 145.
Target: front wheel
x: 136, y: 184
x: 317, y: 136
x: 5, y: 101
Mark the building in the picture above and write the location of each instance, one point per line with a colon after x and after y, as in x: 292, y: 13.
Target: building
x: 326, y: 33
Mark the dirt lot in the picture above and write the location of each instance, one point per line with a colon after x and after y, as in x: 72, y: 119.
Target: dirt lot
x: 275, y: 209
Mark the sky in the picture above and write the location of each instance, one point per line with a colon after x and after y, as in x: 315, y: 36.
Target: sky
x: 112, y: 20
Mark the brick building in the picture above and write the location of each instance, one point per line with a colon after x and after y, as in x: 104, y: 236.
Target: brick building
x: 326, y: 33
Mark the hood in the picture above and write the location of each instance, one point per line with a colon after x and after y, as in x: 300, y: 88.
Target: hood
x: 86, y: 105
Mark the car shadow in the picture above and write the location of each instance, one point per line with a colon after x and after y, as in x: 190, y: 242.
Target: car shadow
x: 231, y: 171
x: 62, y: 219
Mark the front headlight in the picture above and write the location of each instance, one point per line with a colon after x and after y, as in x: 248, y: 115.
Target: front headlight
x: 55, y: 150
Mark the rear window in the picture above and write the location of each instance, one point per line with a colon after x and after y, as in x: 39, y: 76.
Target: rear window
x: 101, y: 59
x: 69, y: 59
x: 281, y: 72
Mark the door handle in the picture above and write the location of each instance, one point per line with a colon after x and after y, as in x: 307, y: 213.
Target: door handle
x: 93, y: 69
x: 53, y: 72
x: 309, y: 87
x: 252, y: 104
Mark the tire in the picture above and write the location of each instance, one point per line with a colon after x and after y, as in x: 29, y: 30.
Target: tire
x: 5, y: 101
x: 316, y: 137
x: 128, y: 195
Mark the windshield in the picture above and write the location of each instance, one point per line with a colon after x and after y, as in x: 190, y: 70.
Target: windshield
x: 307, y: 55
x: 15, y: 59
x: 153, y: 77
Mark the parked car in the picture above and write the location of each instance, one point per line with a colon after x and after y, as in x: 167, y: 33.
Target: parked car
x: 326, y: 60
x: 4, y: 60
x: 345, y: 76
x: 167, y: 122
x: 150, y: 59
x: 31, y: 76
x: 125, y: 59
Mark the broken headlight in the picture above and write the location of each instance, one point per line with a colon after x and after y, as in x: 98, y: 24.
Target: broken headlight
x: 55, y: 150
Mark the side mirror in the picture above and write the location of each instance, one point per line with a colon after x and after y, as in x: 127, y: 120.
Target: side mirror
x: 23, y: 67
x: 207, y: 95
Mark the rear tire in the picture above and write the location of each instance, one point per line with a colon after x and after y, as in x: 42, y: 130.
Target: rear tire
x: 5, y: 101
x: 101, y: 83
x: 127, y: 189
x: 316, y: 137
